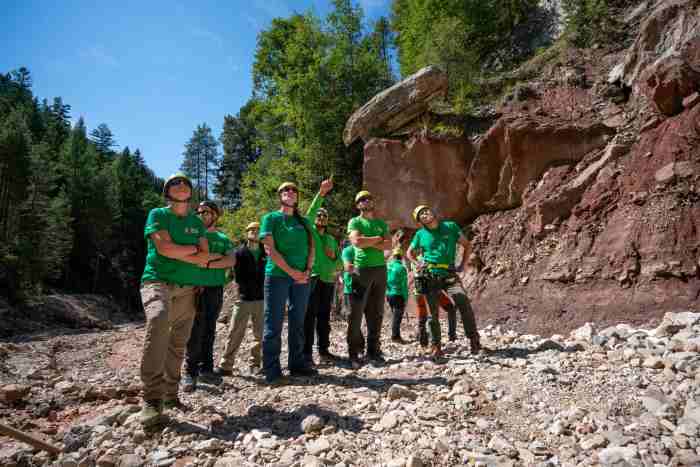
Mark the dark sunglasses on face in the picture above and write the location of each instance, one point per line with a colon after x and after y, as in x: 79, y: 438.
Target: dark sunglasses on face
x: 178, y: 182
x: 203, y: 212
x: 366, y: 198
x: 294, y: 190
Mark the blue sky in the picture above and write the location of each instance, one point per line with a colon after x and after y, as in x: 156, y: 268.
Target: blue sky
x: 151, y: 70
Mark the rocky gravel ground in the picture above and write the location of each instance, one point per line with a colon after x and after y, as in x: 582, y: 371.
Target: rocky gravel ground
x: 617, y: 396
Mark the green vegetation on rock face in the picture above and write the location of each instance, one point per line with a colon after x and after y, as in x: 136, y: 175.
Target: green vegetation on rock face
x: 72, y: 209
x: 590, y: 22
x: 457, y: 35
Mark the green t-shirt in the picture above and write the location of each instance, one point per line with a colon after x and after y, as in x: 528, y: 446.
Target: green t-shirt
x: 324, y: 266
x: 348, y: 257
x: 220, y: 244
x: 185, y: 230
x: 368, y: 257
x: 396, y: 279
x: 291, y: 241
x: 438, y: 246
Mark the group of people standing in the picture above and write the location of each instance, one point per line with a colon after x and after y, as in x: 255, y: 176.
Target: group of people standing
x: 288, y: 262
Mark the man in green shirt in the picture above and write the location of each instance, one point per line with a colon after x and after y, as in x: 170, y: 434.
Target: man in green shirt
x: 436, y: 243
x: 177, y: 249
x: 318, y: 313
x: 199, y: 363
x: 370, y: 237
x: 396, y: 293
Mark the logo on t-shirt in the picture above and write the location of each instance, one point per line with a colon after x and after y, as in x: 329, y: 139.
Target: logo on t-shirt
x: 191, y: 230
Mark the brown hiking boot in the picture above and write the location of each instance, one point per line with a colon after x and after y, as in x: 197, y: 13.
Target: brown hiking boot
x: 475, y: 345
x: 436, y: 352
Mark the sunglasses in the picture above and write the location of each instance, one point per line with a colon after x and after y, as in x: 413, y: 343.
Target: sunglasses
x: 205, y: 211
x: 366, y: 198
x: 289, y: 189
x: 178, y: 182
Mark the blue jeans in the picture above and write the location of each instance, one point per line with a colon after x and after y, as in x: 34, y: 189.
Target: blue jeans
x: 278, y: 292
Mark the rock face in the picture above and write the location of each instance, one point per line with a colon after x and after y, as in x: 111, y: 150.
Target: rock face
x: 393, y: 108
x: 664, y: 62
x: 585, y: 194
x: 435, y: 170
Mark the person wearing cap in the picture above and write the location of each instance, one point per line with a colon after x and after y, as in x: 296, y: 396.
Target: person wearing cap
x: 396, y: 292
x: 249, y: 274
x: 370, y: 237
x: 177, y: 248
x: 436, y: 242
x: 289, y: 242
x: 199, y: 362
x: 318, y: 314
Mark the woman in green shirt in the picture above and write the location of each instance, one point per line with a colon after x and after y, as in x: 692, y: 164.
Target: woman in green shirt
x: 289, y: 244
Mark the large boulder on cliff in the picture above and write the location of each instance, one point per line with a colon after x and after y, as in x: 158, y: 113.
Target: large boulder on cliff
x: 396, y: 106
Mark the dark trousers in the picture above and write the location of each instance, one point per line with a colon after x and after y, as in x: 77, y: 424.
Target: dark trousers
x: 318, y: 317
x: 367, y: 299
x: 452, y: 286
x: 200, y: 348
x: 397, y: 304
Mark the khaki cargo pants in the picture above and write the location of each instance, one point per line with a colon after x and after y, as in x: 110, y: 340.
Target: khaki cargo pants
x: 243, y: 312
x: 170, y: 311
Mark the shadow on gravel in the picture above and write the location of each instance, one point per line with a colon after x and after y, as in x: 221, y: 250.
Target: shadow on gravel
x: 281, y: 423
x: 519, y: 352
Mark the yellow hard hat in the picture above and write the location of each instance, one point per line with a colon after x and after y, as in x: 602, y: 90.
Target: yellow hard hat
x: 253, y: 225
x: 417, y: 211
x: 362, y: 194
x: 287, y: 185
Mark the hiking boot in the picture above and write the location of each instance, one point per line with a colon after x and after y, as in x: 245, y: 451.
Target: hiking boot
x: 355, y: 362
x: 209, y: 377
x: 175, y: 403
x: 436, y: 352
x: 309, y: 360
x: 376, y: 359
x: 151, y: 412
x: 398, y: 340
x: 303, y: 372
x: 189, y: 383
x: 255, y: 370
x: 280, y: 380
x: 326, y: 357
x: 475, y: 345
x: 221, y: 372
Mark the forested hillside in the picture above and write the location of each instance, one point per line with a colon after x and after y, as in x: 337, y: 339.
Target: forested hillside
x: 72, y: 206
